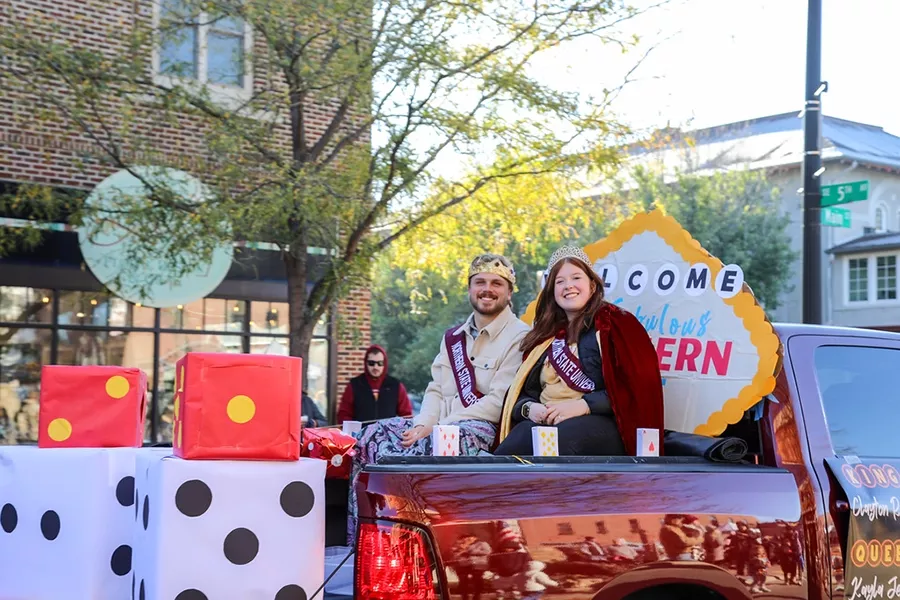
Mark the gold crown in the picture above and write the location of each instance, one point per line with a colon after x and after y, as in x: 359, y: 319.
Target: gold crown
x: 567, y: 252
x: 495, y: 264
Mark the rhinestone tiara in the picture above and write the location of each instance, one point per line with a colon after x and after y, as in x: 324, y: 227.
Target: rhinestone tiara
x: 568, y: 252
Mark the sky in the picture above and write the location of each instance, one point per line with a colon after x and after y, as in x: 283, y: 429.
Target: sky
x: 719, y: 61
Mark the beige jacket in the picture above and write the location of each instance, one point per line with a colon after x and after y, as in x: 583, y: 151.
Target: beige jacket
x: 496, y: 357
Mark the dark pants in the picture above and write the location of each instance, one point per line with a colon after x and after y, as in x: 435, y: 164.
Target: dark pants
x: 587, y: 435
x: 471, y: 581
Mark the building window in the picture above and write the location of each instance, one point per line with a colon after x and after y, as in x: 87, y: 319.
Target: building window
x: 858, y: 278
x: 68, y: 327
x: 202, y: 46
x: 601, y: 528
x: 880, y: 218
x: 564, y: 529
x: 886, y: 277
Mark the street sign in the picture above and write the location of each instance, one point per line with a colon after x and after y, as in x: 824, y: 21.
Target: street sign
x: 842, y: 193
x: 836, y: 217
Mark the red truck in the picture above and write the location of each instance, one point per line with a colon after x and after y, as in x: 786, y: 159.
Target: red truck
x: 773, y: 524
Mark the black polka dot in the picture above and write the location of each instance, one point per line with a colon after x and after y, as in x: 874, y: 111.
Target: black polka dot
x: 191, y: 595
x: 125, y: 491
x: 291, y: 592
x: 132, y: 586
x: 145, y: 517
x: 120, y: 563
x: 50, y: 525
x: 137, y: 497
x: 297, y: 499
x: 241, y: 546
x: 193, y: 498
x: 141, y: 591
x: 9, y: 518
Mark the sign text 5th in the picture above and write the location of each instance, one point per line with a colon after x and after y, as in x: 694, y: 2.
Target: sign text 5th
x: 842, y: 193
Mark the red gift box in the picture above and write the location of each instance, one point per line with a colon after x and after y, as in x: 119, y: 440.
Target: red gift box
x: 92, y: 407
x: 333, y: 446
x: 237, y: 406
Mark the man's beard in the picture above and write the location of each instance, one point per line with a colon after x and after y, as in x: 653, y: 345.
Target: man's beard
x: 499, y: 306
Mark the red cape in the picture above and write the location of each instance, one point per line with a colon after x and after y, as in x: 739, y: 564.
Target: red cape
x: 631, y: 373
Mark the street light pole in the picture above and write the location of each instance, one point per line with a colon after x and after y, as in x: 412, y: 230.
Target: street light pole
x: 812, y: 168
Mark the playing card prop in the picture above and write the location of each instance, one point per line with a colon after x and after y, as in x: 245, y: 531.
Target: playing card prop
x: 873, y: 537
x: 91, y: 407
x: 445, y: 440
x: 66, y: 522
x: 238, y: 406
x: 336, y: 448
x: 228, y: 529
x: 545, y: 441
x: 352, y: 428
x: 647, y: 442
x: 718, y: 353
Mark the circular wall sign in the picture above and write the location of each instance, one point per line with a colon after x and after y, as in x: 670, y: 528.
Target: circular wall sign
x: 109, y: 246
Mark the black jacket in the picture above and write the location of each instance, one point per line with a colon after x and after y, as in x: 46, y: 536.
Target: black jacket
x: 591, y: 364
x: 309, y: 408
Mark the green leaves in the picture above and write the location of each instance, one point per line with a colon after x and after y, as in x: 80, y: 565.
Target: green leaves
x: 353, y: 106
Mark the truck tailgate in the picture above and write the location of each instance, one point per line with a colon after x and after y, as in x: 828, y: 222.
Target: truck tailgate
x: 582, y: 524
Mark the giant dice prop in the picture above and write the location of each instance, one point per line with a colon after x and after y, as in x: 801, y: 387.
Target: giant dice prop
x: 67, y: 522
x: 229, y: 529
x: 92, y: 407
x: 238, y: 406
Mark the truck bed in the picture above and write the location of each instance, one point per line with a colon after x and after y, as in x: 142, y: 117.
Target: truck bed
x: 569, y: 464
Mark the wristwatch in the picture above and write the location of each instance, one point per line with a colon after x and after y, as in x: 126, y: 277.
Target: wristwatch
x: 526, y: 409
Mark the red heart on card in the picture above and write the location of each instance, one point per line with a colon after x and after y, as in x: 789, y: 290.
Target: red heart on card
x: 452, y: 436
x: 445, y: 436
x: 652, y: 447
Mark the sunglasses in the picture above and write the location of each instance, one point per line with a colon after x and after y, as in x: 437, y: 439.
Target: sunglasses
x: 375, y: 363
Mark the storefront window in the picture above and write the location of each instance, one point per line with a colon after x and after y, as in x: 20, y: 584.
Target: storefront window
x: 25, y: 305
x: 101, y: 310
x: 94, y: 328
x: 224, y: 315
x: 185, y: 316
x: 22, y: 353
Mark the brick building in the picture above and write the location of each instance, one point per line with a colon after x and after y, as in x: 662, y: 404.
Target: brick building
x: 53, y: 310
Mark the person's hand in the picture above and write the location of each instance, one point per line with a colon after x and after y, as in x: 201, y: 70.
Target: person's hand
x: 414, y: 434
x: 537, y: 412
x: 558, y: 413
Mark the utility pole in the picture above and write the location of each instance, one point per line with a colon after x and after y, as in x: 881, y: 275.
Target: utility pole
x: 812, y: 168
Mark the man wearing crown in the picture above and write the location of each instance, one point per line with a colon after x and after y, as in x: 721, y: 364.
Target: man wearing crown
x: 470, y: 375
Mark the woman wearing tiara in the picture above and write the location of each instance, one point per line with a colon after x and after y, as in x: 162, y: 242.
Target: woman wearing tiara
x: 589, y: 369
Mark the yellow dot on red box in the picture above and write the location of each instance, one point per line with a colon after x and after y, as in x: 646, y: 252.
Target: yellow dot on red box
x: 177, y: 402
x: 59, y: 430
x: 241, y: 409
x: 117, y: 386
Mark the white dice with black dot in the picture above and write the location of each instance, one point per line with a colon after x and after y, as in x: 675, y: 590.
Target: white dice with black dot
x: 210, y: 529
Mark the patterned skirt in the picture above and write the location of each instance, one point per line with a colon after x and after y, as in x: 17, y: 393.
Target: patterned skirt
x: 383, y: 439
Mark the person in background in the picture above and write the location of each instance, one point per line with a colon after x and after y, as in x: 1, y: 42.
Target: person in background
x: 310, y: 410
x: 374, y: 394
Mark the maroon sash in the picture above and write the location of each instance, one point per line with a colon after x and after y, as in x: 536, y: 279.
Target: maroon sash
x: 463, y: 371
x: 568, y: 367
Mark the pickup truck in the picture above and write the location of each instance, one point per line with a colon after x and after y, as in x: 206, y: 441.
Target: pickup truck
x: 773, y: 524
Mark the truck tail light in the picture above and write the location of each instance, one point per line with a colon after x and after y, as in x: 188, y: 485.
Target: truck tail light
x: 394, y: 562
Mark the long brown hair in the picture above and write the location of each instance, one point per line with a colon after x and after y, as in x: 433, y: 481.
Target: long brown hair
x: 549, y: 318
